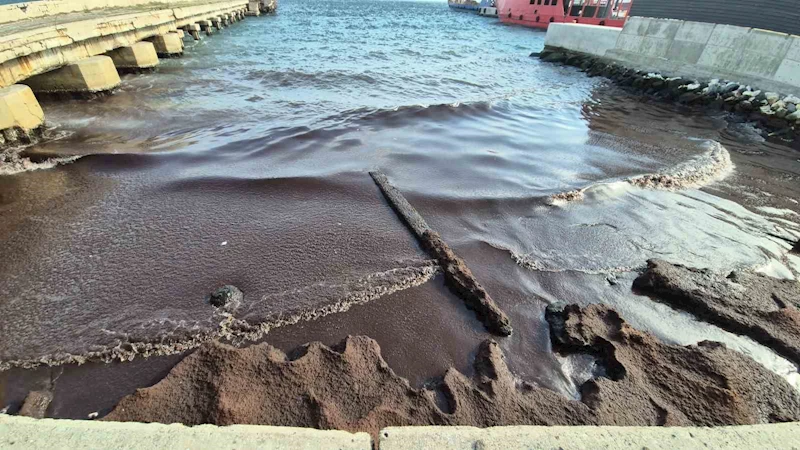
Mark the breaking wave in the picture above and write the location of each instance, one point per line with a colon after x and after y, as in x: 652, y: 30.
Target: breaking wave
x: 529, y: 262
x: 711, y: 166
x: 12, y: 162
x: 243, y: 323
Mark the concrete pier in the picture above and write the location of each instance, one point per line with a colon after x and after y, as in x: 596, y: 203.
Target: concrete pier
x: 141, y: 55
x: 20, y: 113
x: 217, y: 22
x: 168, y: 45
x: 44, y: 36
x: 254, y: 8
x: 207, y: 26
x: 95, y: 74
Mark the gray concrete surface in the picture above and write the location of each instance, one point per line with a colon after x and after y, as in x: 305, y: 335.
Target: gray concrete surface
x: 775, y: 436
x: 24, y: 433
x: 762, y: 58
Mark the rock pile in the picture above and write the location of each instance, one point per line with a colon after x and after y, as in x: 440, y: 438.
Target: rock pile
x: 776, y: 113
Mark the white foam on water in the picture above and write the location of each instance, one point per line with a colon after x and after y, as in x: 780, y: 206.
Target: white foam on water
x: 239, y: 331
x: 711, y: 166
x: 776, y: 269
x: 776, y: 211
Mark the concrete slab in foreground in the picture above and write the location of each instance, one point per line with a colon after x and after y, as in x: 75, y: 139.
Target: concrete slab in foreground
x: 774, y: 436
x: 26, y: 433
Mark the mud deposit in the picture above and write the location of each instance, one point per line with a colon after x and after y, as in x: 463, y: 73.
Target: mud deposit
x: 350, y: 386
x: 752, y: 304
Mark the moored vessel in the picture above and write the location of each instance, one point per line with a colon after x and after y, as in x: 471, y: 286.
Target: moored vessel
x: 471, y: 5
x: 541, y: 13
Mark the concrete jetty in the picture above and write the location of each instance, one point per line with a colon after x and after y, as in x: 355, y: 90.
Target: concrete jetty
x: 77, y: 46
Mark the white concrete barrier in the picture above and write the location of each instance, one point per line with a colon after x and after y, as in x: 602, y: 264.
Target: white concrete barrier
x: 591, y: 39
x: 751, y: 437
x: 762, y: 58
x: 25, y: 433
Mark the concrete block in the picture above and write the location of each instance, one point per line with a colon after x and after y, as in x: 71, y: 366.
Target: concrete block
x: 636, y: 26
x: 141, y: 55
x: 654, y: 47
x: 254, y: 8
x: 773, y: 436
x: 789, y: 72
x: 628, y: 43
x: 590, y: 39
x: 94, y: 74
x: 663, y: 29
x: 181, y: 34
x: 25, y: 433
x: 794, y: 48
x: 167, y: 45
x: 685, y: 52
x: 728, y: 36
x: 759, y: 64
x: 720, y: 57
x: 19, y: 108
x: 767, y: 42
x: 698, y: 32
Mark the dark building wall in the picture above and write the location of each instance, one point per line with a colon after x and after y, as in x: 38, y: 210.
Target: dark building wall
x: 775, y: 15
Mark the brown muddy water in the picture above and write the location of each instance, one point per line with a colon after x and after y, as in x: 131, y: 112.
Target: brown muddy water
x: 246, y: 162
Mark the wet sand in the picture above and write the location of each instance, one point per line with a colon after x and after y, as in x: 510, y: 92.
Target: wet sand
x: 640, y: 381
x: 255, y: 173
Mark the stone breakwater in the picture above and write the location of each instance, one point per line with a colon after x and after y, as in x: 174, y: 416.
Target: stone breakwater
x: 775, y: 113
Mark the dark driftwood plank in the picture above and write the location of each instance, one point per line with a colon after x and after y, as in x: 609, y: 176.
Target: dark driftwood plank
x: 457, y: 275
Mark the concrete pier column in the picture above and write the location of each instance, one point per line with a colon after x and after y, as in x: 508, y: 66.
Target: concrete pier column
x: 94, y: 74
x: 194, y: 31
x: 217, y: 21
x: 181, y: 34
x: 141, y: 55
x: 168, y: 45
x: 254, y: 8
x: 226, y: 19
x: 206, y: 26
x: 20, y: 114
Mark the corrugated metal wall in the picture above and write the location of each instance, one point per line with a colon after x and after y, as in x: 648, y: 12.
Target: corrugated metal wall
x: 776, y: 15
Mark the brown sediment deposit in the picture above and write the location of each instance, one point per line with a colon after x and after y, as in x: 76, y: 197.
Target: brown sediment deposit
x: 457, y: 275
x: 747, y: 303
x: 351, y: 387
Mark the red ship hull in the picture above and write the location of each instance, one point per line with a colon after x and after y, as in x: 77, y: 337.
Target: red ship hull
x: 541, y: 13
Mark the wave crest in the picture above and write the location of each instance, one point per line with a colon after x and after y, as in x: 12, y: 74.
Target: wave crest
x: 711, y: 166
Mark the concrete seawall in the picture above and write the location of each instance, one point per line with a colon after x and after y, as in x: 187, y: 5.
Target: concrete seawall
x: 27, y: 433
x: 698, y: 50
x: 78, y: 47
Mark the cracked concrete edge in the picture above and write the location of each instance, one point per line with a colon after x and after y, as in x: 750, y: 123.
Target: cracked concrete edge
x: 27, y: 433
x: 747, y: 437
